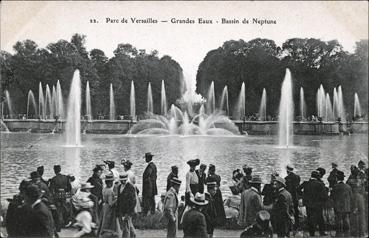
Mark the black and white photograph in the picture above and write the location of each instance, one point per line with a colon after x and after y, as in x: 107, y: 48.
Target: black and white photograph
x: 193, y: 119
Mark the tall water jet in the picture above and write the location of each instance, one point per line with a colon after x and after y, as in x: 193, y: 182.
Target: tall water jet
x: 224, y: 104
x: 9, y: 104
x: 163, y: 104
x: 341, y: 106
x: 59, y: 101
x: 302, y: 104
x: 73, y: 125
x: 41, y: 102
x: 88, y: 102
x: 262, y: 108
x: 31, y: 102
x: 132, y: 101
x: 48, y: 103
x: 286, y: 112
x: 210, y: 101
x: 54, y: 101
x: 240, y: 106
x: 150, y: 104
x: 328, y: 108
x: 335, y: 104
x: 320, y: 102
x: 357, y: 106
x: 112, y: 104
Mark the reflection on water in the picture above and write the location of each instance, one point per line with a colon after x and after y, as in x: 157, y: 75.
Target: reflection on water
x: 21, y: 153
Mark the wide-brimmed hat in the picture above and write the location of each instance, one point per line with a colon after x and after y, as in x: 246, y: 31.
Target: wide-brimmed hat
x: 86, y: 185
x: 109, y: 177
x: 256, y: 179
x: 340, y: 175
x: 123, y: 176
x: 199, y: 199
x: 176, y: 181
x: 109, y: 162
x: 289, y: 168
x: 126, y: 163
x: 263, y: 215
x: 34, y: 175
x: 33, y: 191
x: 193, y: 162
x: 280, y: 180
x: 148, y: 154
x: 211, y: 184
x: 97, y: 168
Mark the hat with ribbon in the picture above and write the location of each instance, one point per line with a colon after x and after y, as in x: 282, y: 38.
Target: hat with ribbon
x: 199, y: 199
x: 256, y: 179
x: 109, y: 177
x: 193, y: 162
x: 176, y: 181
x: 123, y: 177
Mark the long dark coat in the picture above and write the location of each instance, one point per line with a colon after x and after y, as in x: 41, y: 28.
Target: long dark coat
x: 149, y: 188
x: 283, y: 207
x: 292, y: 184
x: 60, y: 181
x: 314, y: 194
x: 194, y: 224
x: 40, y: 222
x: 342, y: 197
x: 210, y: 214
x: 98, y: 186
x: 126, y: 202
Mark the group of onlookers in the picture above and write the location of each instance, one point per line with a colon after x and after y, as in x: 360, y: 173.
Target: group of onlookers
x: 105, y: 206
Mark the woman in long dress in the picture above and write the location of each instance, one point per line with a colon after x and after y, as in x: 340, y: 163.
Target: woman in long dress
x: 132, y: 179
x: 108, y: 222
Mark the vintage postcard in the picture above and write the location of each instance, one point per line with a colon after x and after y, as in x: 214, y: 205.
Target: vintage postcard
x: 184, y: 119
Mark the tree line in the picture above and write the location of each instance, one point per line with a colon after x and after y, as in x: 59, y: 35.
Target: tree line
x: 31, y: 64
x: 260, y: 63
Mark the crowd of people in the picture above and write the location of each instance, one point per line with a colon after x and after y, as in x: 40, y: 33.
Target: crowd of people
x: 104, y: 205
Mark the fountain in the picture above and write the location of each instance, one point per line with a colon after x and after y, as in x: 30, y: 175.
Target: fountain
x: 262, y: 108
x: 163, y: 102
x: 328, y: 108
x: 335, y: 104
x: 54, y: 99
x: 210, y: 101
x: 59, y: 101
x: 150, y: 104
x: 132, y: 101
x: 240, y: 106
x: 320, y: 102
x: 302, y: 104
x: 88, y: 102
x: 73, y: 125
x: 41, y: 102
x: 224, y: 104
x: 9, y: 104
x: 31, y: 100
x: 341, y: 106
x: 112, y: 104
x: 48, y: 103
x: 357, y: 106
x: 286, y: 112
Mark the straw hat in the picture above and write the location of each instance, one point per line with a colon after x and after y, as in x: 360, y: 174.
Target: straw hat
x: 199, y: 199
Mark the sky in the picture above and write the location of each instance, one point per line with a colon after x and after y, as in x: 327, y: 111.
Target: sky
x: 188, y: 44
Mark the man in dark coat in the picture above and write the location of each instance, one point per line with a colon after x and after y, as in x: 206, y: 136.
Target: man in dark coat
x: 292, y: 185
x: 45, y: 192
x: 202, y: 177
x: 343, y: 203
x: 97, y: 182
x: 332, y: 178
x: 126, y: 204
x: 209, y: 211
x: 149, y: 188
x: 59, y: 187
x: 39, y: 220
x: 40, y: 171
x: 194, y: 223
x: 173, y: 174
x: 282, y: 212
x: 314, y: 198
x: 218, y: 198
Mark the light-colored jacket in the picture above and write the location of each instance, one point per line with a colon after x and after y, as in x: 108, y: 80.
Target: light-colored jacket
x: 251, y: 204
x: 171, y: 204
